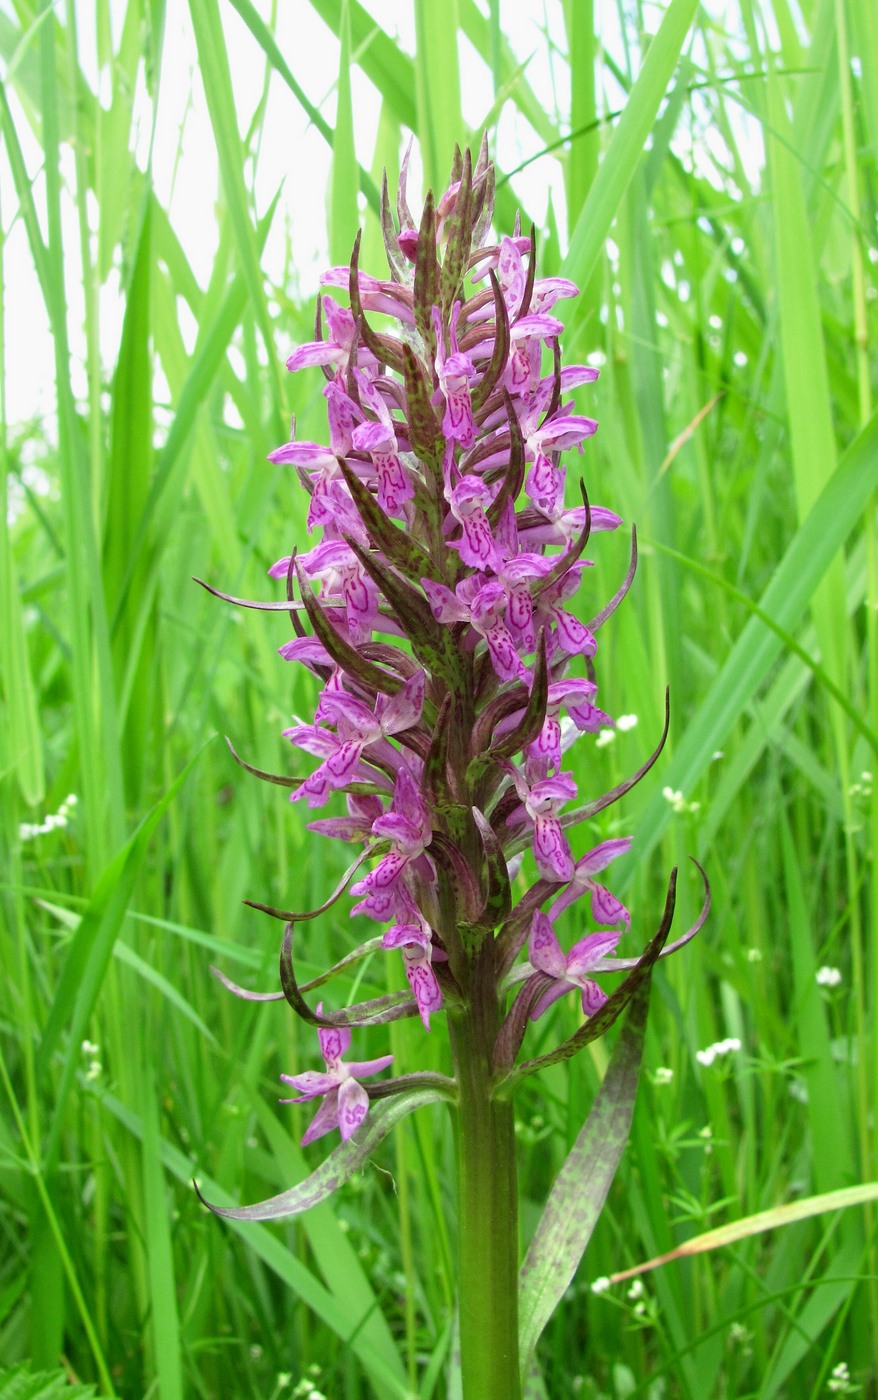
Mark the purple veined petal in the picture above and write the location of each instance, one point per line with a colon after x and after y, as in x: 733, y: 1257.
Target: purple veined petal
x: 544, y: 950
x: 588, y: 717
x: 374, y: 437
x: 548, y: 743
x: 343, y: 415
x: 311, y: 1084
x: 280, y: 569
x: 303, y: 454
x: 592, y: 997
x: 341, y: 765
x: 511, y: 275
x: 599, y: 857
x: 361, y: 605
x: 560, y: 692
x: 315, y: 352
x: 403, y: 710
x: 395, y: 486
x: 353, y: 1105
x: 588, y: 952
x: 574, y: 375
x: 401, y: 831
x: 606, y: 908
x: 566, y: 430
x: 422, y: 980
x: 343, y: 828
x: 551, y: 850
x: 548, y: 290
x: 458, y: 423
x: 549, y: 996
x: 573, y: 635
x: 537, y: 324
x: 519, y: 617
x: 335, y: 1041
x: 504, y: 657
x: 518, y: 375
x: 379, y: 905
x: 362, y: 1069
x: 409, y: 803
x: 444, y: 606
x: 561, y: 788
x: 404, y: 936
x: 385, y: 874
x: 318, y: 742
x: 324, y: 1120
x: 545, y: 483
x: 340, y: 322
x: 476, y: 545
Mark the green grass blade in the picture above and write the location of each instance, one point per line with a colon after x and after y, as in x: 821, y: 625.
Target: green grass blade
x: 437, y: 84
x: 835, y: 514
x: 344, y: 216
x: 626, y: 148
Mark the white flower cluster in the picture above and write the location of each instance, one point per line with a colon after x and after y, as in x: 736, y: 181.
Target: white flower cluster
x: 839, y: 1382
x: 828, y: 977
x: 608, y: 736
x: 722, y: 1047
x: 56, y: 821
x: 91, y: 1052
x: 864, y: 787
x: 601, y: 1284
x: 675, y: 797
x: 662, y: 1075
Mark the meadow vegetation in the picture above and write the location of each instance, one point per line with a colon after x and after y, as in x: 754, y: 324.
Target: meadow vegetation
x: 716, y: 204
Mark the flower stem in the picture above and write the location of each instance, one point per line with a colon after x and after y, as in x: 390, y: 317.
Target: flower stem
x: 487, y: 1199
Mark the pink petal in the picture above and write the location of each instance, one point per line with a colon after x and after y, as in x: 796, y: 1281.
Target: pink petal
x: 573, y: 635
x: 607, y: 909
x: 544, y: 950
x: 335, y: 1041
x: 324, y: 1120
x: 353, y: 1105
x: 551, y: 849
x: 588, y: 952
x: 601, y: 856
x: 592, y: 997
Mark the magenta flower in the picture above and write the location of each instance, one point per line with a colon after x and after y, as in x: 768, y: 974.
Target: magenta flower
x: 568, y: 971
x: 345, y: 1101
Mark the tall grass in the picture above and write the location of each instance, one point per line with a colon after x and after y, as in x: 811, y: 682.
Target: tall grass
x: 713, y: 186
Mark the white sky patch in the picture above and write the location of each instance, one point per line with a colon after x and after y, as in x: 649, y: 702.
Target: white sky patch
x: 292, y: 156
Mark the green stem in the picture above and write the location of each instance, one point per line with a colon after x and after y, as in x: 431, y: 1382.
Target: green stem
x: 487, y: 1199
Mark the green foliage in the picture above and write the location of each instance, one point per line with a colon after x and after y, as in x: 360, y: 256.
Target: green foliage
x: 733, y: 310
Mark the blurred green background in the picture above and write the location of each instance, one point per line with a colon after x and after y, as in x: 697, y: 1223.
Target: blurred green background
x: 173, y: 180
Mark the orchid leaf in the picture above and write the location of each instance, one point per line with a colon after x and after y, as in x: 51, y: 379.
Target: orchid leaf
x: 424, y: 434
x: 343, y: 652
x: 400, y: 548
x: 581, y: 1187
x: 339, y: 1166
x: 458, y: 227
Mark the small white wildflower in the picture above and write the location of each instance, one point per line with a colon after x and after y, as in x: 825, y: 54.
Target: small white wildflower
x: 626, y: 722
x: 754, y: 955
x: 663, y: 1075
x: 717, y: 755
x: 255, y: 1352
x: 706, y: 1132
x: 600, y: 1285
x: 674, y: 797
x: 94, y: 1071
x: 606, y: 736
x: 636, y: 1290
x: 798, y: 1090
x: 640, y: 1309
x: 840, y: 1380
x: 88, y: 1047
x: 828, y: 976
x: 721, y: 1047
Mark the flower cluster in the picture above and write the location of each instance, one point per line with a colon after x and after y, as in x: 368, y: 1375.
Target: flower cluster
x: 439, y: 590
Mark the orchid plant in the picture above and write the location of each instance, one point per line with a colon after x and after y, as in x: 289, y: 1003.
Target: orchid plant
x: 441, y: 632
